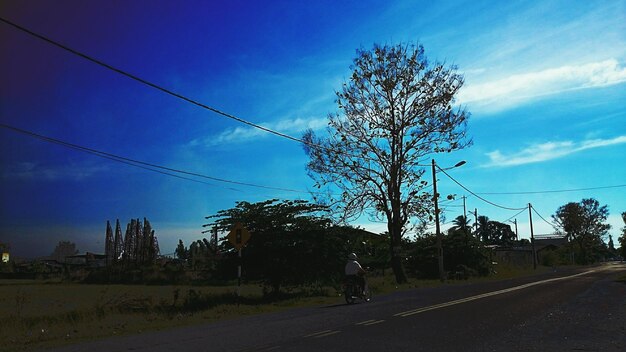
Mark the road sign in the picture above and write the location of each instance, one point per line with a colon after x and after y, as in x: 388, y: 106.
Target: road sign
x: 238, y: 236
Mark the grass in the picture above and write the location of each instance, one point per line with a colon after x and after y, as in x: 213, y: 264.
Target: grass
x: 37, y: 314
x: 40, y: 314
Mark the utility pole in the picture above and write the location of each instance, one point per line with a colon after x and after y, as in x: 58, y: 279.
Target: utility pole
x: 532, y: 236
x: 437, y: 230
x: 464, y: 208
x: 214, y: 239
x: 475, y: 220
x: 516, y: 235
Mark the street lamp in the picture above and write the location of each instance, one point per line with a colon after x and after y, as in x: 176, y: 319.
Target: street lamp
x: 437, y: 229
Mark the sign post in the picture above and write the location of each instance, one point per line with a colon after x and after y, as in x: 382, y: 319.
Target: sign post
x: 238, y: 237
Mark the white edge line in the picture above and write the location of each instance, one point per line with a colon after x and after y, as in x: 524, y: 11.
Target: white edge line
x: 327, y: 334
x: 484, y: 295
x: 374, y: 322
x: 317, y: 333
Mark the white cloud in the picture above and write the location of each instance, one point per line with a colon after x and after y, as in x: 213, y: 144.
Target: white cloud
x: 517, y: 89
x: 242, y: 134
x: 548, y: 151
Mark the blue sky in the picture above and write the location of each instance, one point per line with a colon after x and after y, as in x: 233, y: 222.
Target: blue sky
x: 545, y: 83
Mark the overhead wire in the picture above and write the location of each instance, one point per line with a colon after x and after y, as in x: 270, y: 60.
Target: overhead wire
x: 148, y: 83
x: 143, y: 164
x: 553, y: 191
x: 542, y: 218
x: 155, y: 167
x: 509, y: 219
x: 172, y: 93
x: 476, y: 195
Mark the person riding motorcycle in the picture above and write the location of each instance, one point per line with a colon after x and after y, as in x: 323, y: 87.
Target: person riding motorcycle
x: 354, y: 271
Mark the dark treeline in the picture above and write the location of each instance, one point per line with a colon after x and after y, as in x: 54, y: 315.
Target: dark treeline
x: 294, y: 244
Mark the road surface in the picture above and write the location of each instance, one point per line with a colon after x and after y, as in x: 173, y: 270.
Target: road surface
x: 565, y: 310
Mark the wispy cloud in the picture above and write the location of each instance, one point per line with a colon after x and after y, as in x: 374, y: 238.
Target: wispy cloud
x: 244, y: 134
x: 504, y: 93
x: 35, y: 171
x: 548, y: 151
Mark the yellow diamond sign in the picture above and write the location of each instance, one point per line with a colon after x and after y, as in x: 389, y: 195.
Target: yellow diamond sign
x: 238, y: 236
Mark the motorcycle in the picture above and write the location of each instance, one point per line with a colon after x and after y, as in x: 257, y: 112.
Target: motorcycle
x: 353, y: 290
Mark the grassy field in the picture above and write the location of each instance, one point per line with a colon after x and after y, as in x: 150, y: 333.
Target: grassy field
x: 39, y: 314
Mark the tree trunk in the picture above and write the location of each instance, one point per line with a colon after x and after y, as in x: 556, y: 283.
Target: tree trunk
x: 396, y: 258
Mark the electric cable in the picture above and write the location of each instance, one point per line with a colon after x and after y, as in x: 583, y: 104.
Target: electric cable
x: 148, y: 83
x: 172, y: 93
x: 542, y: 218
x: 521, y: 211
x: 476, y: 195
x: 553, y: 191
x: 142, y: 164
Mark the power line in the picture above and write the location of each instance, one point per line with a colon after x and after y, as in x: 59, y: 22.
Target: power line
x: 554, y: 191
x: 542, y: 218
x: 521, y: 211
x: 142, y: 164
x: 150, y: 84
x: 174, y: 94
x: 476, y: 195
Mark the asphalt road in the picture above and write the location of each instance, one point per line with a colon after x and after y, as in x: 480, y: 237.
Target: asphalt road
x: 566, y: 310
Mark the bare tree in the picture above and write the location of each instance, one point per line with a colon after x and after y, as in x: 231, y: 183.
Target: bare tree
x: 396, y: 109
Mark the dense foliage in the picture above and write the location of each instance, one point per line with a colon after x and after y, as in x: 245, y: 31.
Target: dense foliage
x: 291, y: 243
x: 584, y: 224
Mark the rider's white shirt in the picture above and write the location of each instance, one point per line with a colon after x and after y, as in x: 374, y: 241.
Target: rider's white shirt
x: 353, y: 267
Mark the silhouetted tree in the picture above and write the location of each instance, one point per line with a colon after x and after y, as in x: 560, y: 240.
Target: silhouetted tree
x: 462, y: 223
x: 140, y: 244
x: 181, y: 251
x: 109, y: 244
x: 291, y: 243
x: 396, y: 109
x: 462, y: 253
x: 584, y: 224
x: 482, y: 227
x: 117, y: 244
x: 622, y: 239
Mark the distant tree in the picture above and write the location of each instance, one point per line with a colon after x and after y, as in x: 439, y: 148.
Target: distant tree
x: 584, y: 224
x: 494, y: 232
x: 140, y: 245
x: 118, y: 245
x: 482, y: 227
x: 291, y: 242
x: 181, y: 251
x: 63, y: 249
x: 611, y: 244
x: 622, y: 239
x: 109, y: 244
x: 461, y: 223
x: 397, y: 108
x: 462, y: 253
x: 201, y: 255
